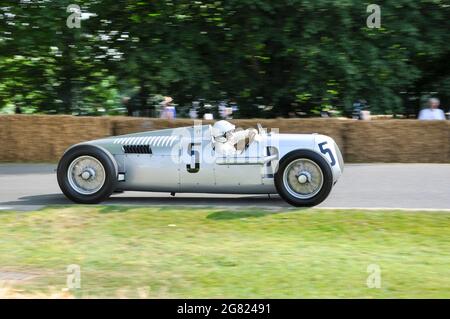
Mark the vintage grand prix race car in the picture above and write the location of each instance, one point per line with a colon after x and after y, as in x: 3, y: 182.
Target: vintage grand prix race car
x: 301, y: 168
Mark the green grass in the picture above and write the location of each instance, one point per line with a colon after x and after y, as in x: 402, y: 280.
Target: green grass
x: 214, y: 253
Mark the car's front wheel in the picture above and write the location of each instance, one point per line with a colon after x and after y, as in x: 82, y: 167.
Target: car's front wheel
x: 304, y: 178
x: 86, y: 174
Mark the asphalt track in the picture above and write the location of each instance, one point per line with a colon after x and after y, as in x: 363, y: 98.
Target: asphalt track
x: 377, y: 186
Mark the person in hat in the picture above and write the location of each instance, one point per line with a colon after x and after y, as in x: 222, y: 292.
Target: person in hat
x: 168, y: 111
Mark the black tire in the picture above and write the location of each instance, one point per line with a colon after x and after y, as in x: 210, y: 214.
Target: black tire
x: 327, y: 178
x: 104, y: 158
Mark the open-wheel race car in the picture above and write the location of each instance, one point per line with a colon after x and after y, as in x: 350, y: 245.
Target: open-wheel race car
x: 301, y: 168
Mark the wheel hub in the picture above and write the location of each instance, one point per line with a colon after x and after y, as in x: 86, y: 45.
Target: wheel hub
x: 88, y: 173
x: 304, y: 177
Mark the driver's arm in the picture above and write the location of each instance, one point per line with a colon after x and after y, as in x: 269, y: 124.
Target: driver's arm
x: 240, y: 136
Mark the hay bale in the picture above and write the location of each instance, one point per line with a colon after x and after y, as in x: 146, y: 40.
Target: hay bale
x: 40, y: 138
x: 397, y: 141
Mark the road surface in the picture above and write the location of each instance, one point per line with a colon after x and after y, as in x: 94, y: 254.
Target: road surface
x: 405, y: 186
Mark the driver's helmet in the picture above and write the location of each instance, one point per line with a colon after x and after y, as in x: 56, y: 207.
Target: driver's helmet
x: 220, y: 129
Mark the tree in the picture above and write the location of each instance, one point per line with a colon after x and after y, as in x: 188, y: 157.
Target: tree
x: 289, y: 56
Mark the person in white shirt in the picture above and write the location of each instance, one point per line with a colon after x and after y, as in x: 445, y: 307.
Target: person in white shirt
x: 227, y: 141
x: 433, y: 112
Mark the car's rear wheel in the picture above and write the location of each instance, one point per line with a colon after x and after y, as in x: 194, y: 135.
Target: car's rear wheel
x: 304, y: 178
x: 87, y: 174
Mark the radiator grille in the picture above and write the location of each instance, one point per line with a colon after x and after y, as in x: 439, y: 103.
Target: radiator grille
x: 137, y: 149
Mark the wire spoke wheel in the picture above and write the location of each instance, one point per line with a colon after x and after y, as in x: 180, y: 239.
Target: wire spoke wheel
x: 303, y: 178
x: 86, y: 175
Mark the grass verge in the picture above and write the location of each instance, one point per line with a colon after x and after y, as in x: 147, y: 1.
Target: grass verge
x: 216, y: 253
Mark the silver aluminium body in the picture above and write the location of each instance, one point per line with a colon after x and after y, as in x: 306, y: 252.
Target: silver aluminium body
x: 183, y: 160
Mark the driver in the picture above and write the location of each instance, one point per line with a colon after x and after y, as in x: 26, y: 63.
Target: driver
x: 227, y: 140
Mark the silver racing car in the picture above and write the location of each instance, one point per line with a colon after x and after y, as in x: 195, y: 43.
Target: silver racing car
x: 301, y: 168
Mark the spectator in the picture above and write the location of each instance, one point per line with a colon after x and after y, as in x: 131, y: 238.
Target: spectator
x: 126, y: 104
x: 168, y: 111
x: 433, y: 112
x: 201, y: 109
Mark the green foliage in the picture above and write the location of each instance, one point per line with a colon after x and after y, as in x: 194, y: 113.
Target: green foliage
x: 290, y: 56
